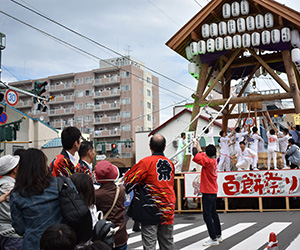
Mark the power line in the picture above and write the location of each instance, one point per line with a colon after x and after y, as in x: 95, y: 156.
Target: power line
x: 83, y: 51
x: 99, y: 44
x: 198, y: 4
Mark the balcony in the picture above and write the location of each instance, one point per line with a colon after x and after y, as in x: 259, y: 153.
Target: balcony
x: 62, y: 99
x: 106, y: 107
x: 107, y: 120
x: 24, y: 104
x: 107, y: 93
x: 107, y: 133
x: 66, y: 86
x: 107, y: 81
x: 61, y: 112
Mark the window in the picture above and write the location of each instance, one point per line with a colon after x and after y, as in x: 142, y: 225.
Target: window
x: 78, y: 118
x: 125, y: 74
x: 141, y: 116
x: 148, y: 105
x: 148, y: 92
x: 141, y: 103
x: 153, y: 107
x: 125, y: 87
x: 79, y: 94
x: 125, y: 101
x: 89, y: 118
x: 126, y: 127
x: 141, y: 78
x: 89, y: 92
x: 141, y: 90
x: 78, y: 106
x: 79, y: 81
x: 153, y: 96
x: 89, y: 79
x: 89, y: 105
x: 153, y: 119
x: 153, y: 83
x: 126, y: 155
x: 149, y: 118
x: 125, y: 114
x: 148, y: 79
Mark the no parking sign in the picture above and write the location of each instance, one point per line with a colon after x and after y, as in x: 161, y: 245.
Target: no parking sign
x: 249, y: 121
x: 11, y: 97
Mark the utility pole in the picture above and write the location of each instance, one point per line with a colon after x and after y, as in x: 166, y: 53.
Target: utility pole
x: 2, y: 47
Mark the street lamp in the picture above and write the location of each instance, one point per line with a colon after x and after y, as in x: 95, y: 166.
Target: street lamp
x: 2, y: 47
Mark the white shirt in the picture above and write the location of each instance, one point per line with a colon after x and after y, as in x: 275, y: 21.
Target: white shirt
x: 272, y: 140
x: 239, y: 137
x: 224, y: 141
x: 283, y: 142
x: 209, y: 137
x: 248, y: 154
x: 72, y: 158
x: 89, y: 165
x: 255, y: 138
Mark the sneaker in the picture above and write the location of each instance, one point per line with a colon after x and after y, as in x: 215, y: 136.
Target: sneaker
x: 219, y: 239
x: 211, y: 242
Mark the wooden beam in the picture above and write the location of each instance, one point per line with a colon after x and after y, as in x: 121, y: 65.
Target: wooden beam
x: 247, y: 99
x: 195, y: 37
x: 289, y: 67
x: 259, y: 113
x: 245, y: 86
x: 227, y: 65
x: 249, y: 61
x: 215, y: 15
x: 258, y: 8
x: 270, y: 71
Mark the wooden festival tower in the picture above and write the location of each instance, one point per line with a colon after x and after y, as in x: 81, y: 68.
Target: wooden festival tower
x: 238, y: 57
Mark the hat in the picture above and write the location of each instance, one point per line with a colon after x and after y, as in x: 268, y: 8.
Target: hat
x: 8, y: 163
x: 105, y: 171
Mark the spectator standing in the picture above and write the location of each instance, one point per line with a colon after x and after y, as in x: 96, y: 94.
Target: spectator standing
x: 293, y: 155
x: 209, y: 190
x: 153, y: 176
x: 63, y: 164
x: 8, y: 169
x: 106, y: 174
x: 34, y: 201
x: 87, y: 156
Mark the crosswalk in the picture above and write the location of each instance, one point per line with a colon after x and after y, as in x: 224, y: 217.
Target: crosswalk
x: 245, y: 235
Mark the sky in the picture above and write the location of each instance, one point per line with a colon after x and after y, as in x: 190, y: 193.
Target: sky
x: 138, y: 27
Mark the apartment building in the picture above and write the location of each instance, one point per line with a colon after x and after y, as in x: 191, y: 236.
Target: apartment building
x: 110, y: 103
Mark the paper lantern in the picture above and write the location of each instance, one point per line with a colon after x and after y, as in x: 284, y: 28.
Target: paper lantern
x: 255, y: 39
x: 286, y: 35
x: 231, y: 27
x: 192, y: 68
x: 205, y: 30
x: 235, y: 9
x: 241, y: 25
x: 245, y: 7
x: 269, y: 20
x: 275, y: 36
x: 250, y: 22
x: 197, y: 60
x: 213, y: 30
x: 228, y: 42
x: 266, y: 37
x: 296, y: 56
x: 201, y: 47
x: 194, y: 48
x: 226, y: 10
x: 295, y: 38
x: 188, y: 53
x: 222, y: 29
x: 197, y: 73
x: 219, y: 42
x: 246, y: 40
x: 210, y: 45
x: 259, y: 21
x: 237, y: 41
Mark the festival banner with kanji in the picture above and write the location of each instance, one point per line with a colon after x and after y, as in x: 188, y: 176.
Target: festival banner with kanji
x: 280, y: 183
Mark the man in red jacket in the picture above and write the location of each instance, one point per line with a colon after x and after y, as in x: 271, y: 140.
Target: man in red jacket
x: 209, y: 190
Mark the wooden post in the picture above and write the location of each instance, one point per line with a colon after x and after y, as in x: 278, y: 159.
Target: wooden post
x: 196, y: 108
x: 226, y: 93
x: 179, y: 203
x: 289, y: 67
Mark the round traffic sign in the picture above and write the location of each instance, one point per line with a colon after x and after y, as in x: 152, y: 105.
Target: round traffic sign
x: 11, y: 97
x: 3, y: 118
x: 249, y: 121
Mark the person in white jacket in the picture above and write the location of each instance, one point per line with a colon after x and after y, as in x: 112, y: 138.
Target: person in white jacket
x: 239, y: 136
x: 254, y: 141
x: 224, y: 152
x: 272, y: 148
x: 245, y: 157
x: 283, y: 143
x: 209, y: 135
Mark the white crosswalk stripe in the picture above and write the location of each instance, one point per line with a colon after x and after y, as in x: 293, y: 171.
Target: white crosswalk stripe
x: 295, y: 244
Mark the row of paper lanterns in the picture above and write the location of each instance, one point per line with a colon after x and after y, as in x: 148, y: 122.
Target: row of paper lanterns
x: 235, y: 9
x: 240, y: 25
x: 246, y: 41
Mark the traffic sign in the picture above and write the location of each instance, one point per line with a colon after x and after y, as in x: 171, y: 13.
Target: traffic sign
x: 100, y: 157
x: 3, y: 118
x: 11, y: 97
x: 249, y: 121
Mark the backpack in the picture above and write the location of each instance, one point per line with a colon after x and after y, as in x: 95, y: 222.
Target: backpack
x: 74, y: 209
x: 105, y: 231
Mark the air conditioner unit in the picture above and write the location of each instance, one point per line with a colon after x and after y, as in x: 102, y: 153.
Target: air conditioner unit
x: 245, y: 7
x: 188, y: 53
x: 266, y: 37
x: 259, y: 21
x: 295, y: 38
x: 210, y: 45
x: 269, y: 20
x: 250, y: 21
x: 194, y: 48
x: 228, y: 42
x: 286, y: 34
x: 205, y: 30
x: 255, y: 39
x: 226, y: 10
x: 201, y: 47
x: 213, y: 30
x: 222, y: 28
x: 241, y: 25
x: 275, y: 36
x: 231, y: 27
x: 237, y: 41
x: 235, y: 9
x: 246, y: 40
x: 219, y: 42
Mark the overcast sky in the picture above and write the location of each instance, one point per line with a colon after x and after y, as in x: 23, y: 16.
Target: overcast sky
x: 144, y: 25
